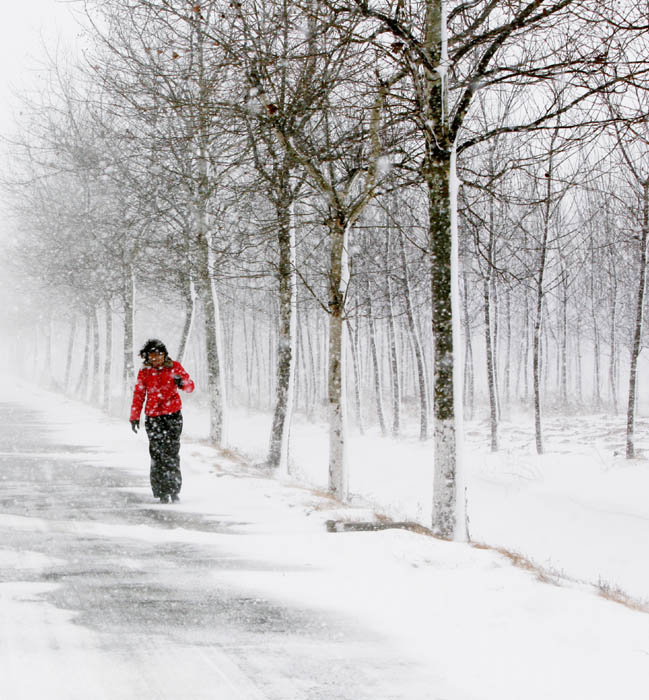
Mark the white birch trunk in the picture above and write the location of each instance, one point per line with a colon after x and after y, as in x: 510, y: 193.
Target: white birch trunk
x: 218, y: 332
x: 353, y: 341
x: 508, y: 349
x: 378, y: 388
x: 637, y: 332
x: 215, y: 379
x: 468, y: 352
x: 339, y: 277
x: 190, y: 313
x: 612, y: 367
x: 461, y: 533
x: 395, y: 383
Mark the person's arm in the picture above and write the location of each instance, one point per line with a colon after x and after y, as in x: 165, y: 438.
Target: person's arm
x: 182, y: 379
x: 139, y: 394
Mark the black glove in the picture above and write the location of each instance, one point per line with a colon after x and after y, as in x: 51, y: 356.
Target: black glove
x: 135, y: 425
x: 178, y: 381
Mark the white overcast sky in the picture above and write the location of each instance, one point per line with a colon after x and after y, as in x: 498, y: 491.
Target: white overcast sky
x: 26, y: 29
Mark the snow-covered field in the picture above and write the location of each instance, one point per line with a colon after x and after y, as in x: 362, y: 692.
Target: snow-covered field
x: 579, y: 511
x: 482, y: 627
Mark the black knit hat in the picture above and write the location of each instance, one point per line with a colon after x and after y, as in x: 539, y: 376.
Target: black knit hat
x: 153, y: 345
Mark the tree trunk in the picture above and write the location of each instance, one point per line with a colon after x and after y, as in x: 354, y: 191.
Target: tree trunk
x: 320, y: 356
x: 190, y: 311
x: 597, y: 397
x: 247, y: 344
x: 272, y: 344
x: 395, y: 384
x: 215, y: 379
x: 491, y: 378
x: 540, y: 297
x: 536, y: 359
x: 563, y: 351
x: 579, y: 360
x: 538, y: 322
x: 545, y: 357
x: 338, y: 279
x: 357, y: 378
x: 508, y: 350
x: 255, y: 362
x: 128, y: 300
x: 448, y: 510
x: 469, y: 389
x: 444, y: 407
x: 70, y: 353
x: 637, y: 333
x: 495, y: 342
x: 108, y: 355
x: 207, y: 291
x: 313, y: 371
x: 278, y: 452
x: 416, y: 344
x: 96, y: 372
x: 83, y: 383
x: 526, y: 352
x: 612, y: 366
x: 378, y: 390
x: 490, y: 331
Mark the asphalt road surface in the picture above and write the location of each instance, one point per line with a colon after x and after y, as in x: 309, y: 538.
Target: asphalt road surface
x: 112, y: 616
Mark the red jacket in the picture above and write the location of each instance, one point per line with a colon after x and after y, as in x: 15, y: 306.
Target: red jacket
x: 160, y: 390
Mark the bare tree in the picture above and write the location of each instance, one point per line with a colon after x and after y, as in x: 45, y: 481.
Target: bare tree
x: 633, y: 145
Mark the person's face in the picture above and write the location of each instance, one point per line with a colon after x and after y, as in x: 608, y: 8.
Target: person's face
x: 156, y: 358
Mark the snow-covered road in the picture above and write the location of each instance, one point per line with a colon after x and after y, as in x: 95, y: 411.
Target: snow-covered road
x: 86, y: 614
x: 106, y: 594
x: 240, y: 592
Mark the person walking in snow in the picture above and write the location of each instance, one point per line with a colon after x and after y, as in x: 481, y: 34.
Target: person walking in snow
x: 158, y: 382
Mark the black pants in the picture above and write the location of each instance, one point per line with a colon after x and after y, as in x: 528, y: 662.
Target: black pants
x: 164, y: 447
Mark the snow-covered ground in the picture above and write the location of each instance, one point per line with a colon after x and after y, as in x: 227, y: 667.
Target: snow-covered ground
x: 482, y: 627
x: 580, y: 511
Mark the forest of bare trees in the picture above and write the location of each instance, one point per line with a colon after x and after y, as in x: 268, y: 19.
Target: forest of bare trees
x: 383, y: 215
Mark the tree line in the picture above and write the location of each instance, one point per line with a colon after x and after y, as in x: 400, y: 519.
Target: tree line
x: 384, y: 208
